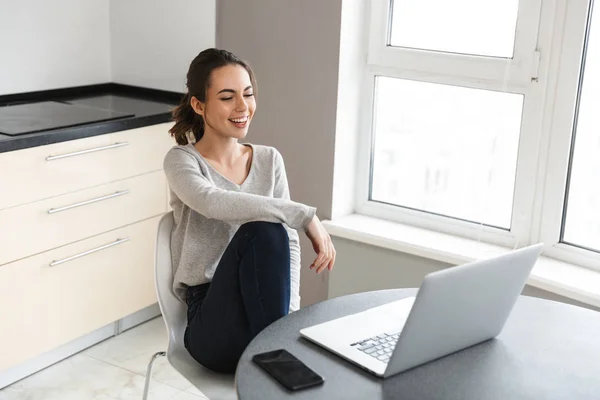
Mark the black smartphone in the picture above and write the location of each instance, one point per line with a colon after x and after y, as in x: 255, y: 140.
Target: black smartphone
x: 292, y: 373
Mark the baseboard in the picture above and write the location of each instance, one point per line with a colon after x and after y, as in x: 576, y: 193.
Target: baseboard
x: 45, y: 360
x: 139, y: 317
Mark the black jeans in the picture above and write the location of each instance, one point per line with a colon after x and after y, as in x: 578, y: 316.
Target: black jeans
x: 249, y: 290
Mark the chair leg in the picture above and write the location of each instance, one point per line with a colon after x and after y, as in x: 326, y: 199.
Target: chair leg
x: 149, y: 372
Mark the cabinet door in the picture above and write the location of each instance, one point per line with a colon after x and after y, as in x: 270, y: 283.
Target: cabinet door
x: 46, y: 171
x: 54, y: 297
x: 43, y: 225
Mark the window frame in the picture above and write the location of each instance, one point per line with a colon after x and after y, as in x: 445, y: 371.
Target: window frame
x: 567, y: 69
x: 486, y: 73
x: 544, y: 143
x: 520, y: 68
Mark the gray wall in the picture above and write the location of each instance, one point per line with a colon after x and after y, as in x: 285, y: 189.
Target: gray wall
x: 165, y: 35
x: 293, y: 47
x: 363, y: 267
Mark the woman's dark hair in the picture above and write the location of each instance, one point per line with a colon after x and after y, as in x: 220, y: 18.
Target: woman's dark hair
x: 198, y: 82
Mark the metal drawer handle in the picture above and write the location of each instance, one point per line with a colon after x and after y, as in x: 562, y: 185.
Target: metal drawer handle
x: 83, y: 203
x: 77, y: 153
x: 85, y: 253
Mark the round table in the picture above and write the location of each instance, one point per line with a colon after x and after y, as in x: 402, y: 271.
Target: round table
x: 547, y: 350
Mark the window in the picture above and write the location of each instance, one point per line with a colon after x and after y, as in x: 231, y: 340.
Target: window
x: 446, y: 149
x: 481, y: 123
x: 581, y: 226
x: 449, y: 28
x: 571, y: 216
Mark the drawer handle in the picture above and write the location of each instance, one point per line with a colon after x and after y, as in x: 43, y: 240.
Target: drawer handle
x: 85, y: 253
x: 83, y: 203
x: 77, y: 153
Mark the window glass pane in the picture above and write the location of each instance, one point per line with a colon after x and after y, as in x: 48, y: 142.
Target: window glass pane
x: 445, y: 149
x: 481, y: 27
x: 582, y: 218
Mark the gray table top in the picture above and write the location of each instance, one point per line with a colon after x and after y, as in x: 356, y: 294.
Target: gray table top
x: 547, y: 350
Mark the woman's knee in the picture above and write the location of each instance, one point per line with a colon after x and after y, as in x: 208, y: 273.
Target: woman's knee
x: 270, y: 239
x: 272, y: 231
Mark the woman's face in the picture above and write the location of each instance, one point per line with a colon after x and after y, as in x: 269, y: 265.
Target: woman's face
x: 230, y: 102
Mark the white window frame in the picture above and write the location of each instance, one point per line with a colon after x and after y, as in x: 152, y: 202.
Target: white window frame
x: 517, y: 75
x: 521, y: 66
x: 544, y: 144
x: 560, y: 124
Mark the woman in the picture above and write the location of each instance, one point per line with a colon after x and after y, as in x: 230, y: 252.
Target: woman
x: 234, y: 243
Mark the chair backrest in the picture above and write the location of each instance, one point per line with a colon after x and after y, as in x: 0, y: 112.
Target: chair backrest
x: 173, y: 310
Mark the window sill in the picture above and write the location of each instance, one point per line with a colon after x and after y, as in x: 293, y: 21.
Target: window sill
x: 564, y: 279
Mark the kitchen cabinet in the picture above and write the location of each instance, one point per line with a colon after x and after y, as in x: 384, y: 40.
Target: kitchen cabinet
x: 57, y: 296
x: 45, y: 171
x: 78, y: 226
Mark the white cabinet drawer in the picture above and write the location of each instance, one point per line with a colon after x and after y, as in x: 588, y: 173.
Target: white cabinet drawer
x: 43, y: 225
x: 42, y: 307
x: 45, y: 171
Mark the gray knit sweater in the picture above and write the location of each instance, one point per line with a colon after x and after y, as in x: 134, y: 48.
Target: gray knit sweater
x: 208, y: 209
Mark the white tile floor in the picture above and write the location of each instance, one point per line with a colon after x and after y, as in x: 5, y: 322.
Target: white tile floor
x: 111, y: 370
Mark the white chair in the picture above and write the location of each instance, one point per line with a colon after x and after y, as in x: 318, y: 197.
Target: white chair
x: 174, y: 312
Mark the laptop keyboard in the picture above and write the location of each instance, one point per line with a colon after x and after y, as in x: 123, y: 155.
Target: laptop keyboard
x: 379, y: 346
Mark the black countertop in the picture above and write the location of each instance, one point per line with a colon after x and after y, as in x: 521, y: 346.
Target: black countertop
x: 148, y: 106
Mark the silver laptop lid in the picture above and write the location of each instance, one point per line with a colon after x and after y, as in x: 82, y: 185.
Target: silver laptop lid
x: 461, y: 306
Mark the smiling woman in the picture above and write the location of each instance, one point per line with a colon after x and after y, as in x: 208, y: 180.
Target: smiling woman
x: 215, y: 75
x: 231, y: 108
x: 234, y: 244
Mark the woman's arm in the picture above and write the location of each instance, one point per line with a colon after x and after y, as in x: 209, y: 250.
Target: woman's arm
x: 315, y: 232
x: 186, y: 181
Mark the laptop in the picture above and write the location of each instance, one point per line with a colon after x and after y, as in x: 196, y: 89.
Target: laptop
x: 455, y: 308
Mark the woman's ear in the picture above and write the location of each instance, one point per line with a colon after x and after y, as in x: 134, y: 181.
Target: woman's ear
x: 197, y: 105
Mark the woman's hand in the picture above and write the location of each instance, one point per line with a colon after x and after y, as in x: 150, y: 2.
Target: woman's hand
x: 322, y: 245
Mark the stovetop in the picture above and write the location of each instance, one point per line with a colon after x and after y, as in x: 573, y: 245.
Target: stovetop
x: 52, y: 116
x: 21, y: 119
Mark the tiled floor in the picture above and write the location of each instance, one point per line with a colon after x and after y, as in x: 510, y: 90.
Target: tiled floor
x: 111, y: 370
